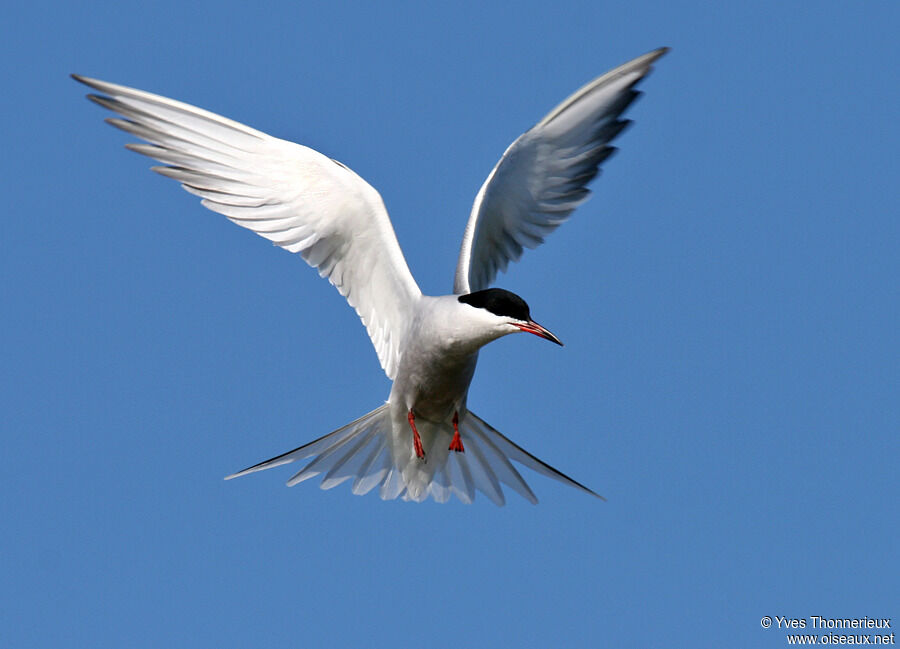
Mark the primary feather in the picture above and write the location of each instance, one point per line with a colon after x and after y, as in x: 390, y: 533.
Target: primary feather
x: 290, y: 194
x: 543, y: 175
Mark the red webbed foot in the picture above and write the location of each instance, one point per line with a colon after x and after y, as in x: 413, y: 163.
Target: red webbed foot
x: 456, y: 443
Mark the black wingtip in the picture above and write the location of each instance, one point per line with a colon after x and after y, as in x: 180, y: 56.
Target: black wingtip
x: 80, y: 79
x: 87, y: 81
x: 98, y: 99
x: 661, y: 52
x: 653, y: 56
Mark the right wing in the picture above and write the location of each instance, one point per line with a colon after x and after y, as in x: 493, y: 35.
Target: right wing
x: 542, y: 176
x: 292, y: 195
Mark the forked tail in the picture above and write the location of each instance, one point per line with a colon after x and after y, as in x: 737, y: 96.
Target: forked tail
x: 362, y: 450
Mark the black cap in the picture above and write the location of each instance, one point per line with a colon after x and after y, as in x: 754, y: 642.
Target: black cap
x: 499, y: 302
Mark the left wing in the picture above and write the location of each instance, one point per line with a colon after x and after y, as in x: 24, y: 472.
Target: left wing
x: 290, y: 194
x: 542, y: 176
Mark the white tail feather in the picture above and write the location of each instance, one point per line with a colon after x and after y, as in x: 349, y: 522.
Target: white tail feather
x: 368, y: 451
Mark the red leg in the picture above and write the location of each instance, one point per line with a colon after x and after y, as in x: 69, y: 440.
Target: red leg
x: 456, y: 443
x: 417, y: 441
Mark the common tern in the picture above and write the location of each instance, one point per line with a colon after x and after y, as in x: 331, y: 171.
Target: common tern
x: 423, y: 441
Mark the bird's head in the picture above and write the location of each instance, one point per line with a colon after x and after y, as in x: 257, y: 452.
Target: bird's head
x: 505, y: 313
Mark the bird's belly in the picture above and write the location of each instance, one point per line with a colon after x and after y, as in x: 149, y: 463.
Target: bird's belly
x: 436, y: 388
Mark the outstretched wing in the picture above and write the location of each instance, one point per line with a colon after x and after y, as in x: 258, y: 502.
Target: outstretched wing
x: 542, y: 176
x: 296, y: 197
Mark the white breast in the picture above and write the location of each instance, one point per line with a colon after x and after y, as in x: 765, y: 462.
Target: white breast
x: 439, y: 360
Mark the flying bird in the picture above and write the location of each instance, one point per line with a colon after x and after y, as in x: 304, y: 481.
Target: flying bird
x: 424, y: 441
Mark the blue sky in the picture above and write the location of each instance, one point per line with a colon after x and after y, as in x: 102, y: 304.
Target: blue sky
x: 728, y: 300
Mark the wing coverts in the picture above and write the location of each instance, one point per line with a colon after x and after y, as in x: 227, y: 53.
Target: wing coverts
x: 290, y: 194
